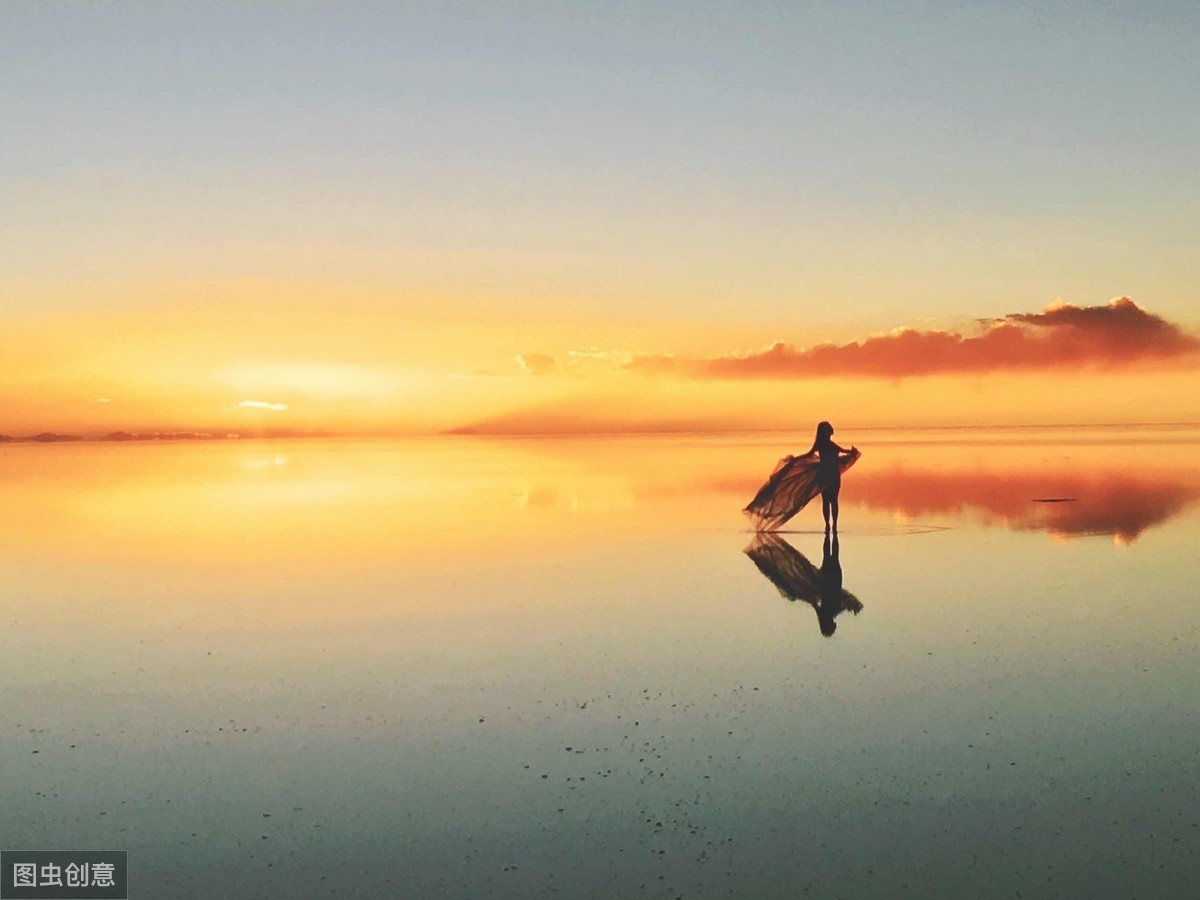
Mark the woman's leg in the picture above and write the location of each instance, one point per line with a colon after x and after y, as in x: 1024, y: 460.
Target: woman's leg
x: 827, y: 500
x: 834, y: 505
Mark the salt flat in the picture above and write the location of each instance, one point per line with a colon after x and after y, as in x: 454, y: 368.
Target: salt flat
x: 500, y: 667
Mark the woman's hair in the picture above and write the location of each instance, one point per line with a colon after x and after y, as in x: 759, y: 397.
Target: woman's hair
x: 824, y: 432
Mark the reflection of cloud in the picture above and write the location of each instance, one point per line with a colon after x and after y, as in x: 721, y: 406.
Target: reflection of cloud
x: 259, y: 463
x: 535, y: 363
x: 103, y: 400
x: 1092, y: 501
x: 1062, y: 335
x: 545, y: 497
x: 262, y: 404
x: 1063, y: 503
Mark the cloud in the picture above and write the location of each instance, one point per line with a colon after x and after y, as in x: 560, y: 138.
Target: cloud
x: 588, y: 360
x: 535, y: 363
x: 473, y: 374
x: 262, y: 404
x: 1062, y: 335
x: 616, y: 359
x: 660, y: 364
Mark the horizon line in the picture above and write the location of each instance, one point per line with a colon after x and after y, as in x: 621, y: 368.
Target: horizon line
x: 181, y: 435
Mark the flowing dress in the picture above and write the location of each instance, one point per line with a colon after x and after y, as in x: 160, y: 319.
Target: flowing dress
x: 795, y: 481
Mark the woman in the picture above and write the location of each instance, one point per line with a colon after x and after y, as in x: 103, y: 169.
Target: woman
x: 798, y: 479
x: 829, y: 471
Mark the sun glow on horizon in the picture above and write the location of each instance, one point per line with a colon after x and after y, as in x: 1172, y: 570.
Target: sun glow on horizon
x: 326, y: 368
x: 262, y: 404
x: 322, y: 380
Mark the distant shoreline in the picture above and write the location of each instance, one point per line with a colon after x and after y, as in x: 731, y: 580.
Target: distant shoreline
x: 52, y: 437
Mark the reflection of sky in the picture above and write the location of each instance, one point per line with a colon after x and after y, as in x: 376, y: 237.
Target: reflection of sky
x: 342, y: 666
x: 214, y: 504
x: 1063, y: 501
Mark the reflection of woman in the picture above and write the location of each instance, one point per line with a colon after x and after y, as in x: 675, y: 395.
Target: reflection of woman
x: 829, y: 584
x: 798, y: 479
x: 798, y: 579
x: 829, y: 471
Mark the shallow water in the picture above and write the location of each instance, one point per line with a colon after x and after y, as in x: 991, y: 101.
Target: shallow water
x: 474, y: 667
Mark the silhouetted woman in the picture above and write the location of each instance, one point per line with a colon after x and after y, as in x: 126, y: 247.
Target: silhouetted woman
x: 829, y: 472
x: 798, y: 479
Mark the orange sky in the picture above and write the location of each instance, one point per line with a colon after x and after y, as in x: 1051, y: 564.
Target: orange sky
x: 250, y: 356
x: 398, y: 219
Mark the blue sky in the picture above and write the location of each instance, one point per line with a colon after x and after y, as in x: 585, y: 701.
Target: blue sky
x: 848, y: 164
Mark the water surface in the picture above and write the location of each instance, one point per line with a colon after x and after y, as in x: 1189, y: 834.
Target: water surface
x: 474, y: 667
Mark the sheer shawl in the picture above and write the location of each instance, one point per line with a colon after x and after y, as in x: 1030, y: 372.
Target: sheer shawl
x: 795, y: 481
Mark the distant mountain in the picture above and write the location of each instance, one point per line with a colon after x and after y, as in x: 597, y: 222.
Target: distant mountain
x: 53, y: 437
x: 159, y: 436
x: 50, y: 437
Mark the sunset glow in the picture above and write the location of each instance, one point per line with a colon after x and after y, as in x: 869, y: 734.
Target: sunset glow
x: 634, y: 221
x: 332, y: 371
x: 599, y: 449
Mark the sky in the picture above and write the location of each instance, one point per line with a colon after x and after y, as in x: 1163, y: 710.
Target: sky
x: 549, y: 216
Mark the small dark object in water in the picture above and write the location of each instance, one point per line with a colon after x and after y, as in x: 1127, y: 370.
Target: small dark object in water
x: 1054, y: 499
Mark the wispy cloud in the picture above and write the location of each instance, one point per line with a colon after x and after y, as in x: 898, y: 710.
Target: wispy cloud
x: 476, y: 373
x: 582, y: 362
x: 1062, y: 335
x: 262, y: 404
x: 535, y: 363
x: 599, y: 356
